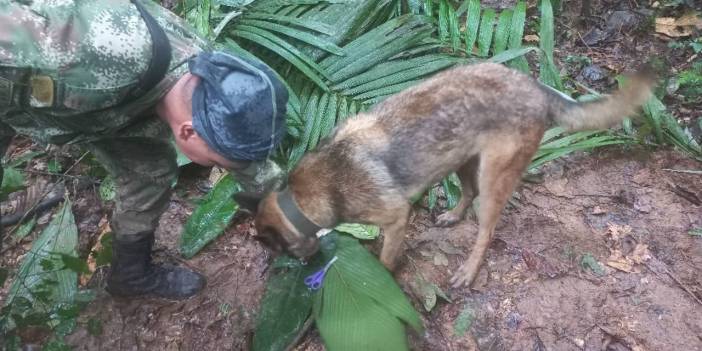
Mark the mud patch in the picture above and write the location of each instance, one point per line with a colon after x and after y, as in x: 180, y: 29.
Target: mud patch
x: 533, y: 292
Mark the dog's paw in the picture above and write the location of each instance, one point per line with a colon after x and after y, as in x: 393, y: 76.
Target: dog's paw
x: 470, y: 214
x: 447, y: 219
x: 463, y: 277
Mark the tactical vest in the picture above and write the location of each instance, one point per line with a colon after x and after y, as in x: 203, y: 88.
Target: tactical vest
x: 36, y: 88
x: 55, y: 107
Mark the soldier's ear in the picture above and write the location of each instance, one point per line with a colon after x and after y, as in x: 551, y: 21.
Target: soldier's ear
x: 185, y: 131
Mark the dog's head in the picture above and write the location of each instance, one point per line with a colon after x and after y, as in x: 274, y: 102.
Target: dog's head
x: 275, y: 230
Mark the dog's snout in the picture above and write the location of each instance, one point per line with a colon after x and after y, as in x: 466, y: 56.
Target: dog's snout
x: 304, y: 248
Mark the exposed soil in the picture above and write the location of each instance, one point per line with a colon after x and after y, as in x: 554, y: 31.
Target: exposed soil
x: 625, y: 209
x: 533, y: 292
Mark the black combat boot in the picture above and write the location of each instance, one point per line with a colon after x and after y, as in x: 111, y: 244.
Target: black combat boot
x: 133, y: 274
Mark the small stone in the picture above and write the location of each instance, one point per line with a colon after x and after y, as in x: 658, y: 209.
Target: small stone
x: 597, y: 210
x: 593, y: 73
x: 513, y: 320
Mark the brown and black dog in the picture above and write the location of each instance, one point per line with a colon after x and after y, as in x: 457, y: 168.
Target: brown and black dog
x: 483, y: 121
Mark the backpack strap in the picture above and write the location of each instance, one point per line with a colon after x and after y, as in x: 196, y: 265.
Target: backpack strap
x: 28, y: 86
x: 160, y: 56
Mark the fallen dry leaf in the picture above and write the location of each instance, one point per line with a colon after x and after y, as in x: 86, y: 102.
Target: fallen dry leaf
x: 617, y: 260
x: 440, y: 259
x: 622, y: 257
x: 104, y: 226
x: 617, y: 232
x: 628, y: 263
x: 683, y: 26
x: 531, y: 38
x: 597, y: 210
x: 640, y: 254
x: 216, y: 174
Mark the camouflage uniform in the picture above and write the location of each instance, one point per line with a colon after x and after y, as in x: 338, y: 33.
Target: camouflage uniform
x: 65, y: 65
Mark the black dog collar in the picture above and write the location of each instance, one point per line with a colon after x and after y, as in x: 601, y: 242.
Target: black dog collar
x: 295, y: 216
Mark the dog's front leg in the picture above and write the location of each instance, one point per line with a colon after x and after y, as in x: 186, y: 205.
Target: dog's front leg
x: 394, y: 233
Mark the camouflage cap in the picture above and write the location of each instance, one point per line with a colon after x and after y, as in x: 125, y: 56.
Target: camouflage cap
x: 238, y: 105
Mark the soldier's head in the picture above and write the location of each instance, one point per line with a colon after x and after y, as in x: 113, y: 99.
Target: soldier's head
x: 227, y: 111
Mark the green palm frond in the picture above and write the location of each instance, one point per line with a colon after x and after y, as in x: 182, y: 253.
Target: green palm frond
x: 298, y: 33
x: 548, y: 73
x: 516, y: 34
x: 379, y: 63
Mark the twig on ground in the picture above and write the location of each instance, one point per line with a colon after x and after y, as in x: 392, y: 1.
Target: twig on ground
x: 39, y: 208
x: 688, y: 171
x: 34, y: 207
x: 305, y: 328
x: 684, y: 193
x: 50, y: 174
x: 675, y: 279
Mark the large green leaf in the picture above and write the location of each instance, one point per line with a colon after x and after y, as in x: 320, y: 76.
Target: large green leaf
x: 272, y: 42
x: 199, y: 15
x: 304, y: 23
x: 380, y: 63
x: 452, y: 190
x: 555, y: 145
x: 454, y: 30
x: 24, y: 158
x: 287, y: 302
x: 548, y: 73
x: 472, y: 23
x: 60, y: 237
x: 395, y: 71
x: 285, y: 306
x: 667, y: 129
x: 487, y: 24
x: 359, y: 231
x: 336, y: 21
x: 360, y: 307
x: 211, y: 217
x: 512, y: 54
x: 306, y: 37
x: 516, y: 35
x: 12, y: 180
x: 378, y: 45
x: 502, y: 31
x: 443, y: 20
x: 44, y: 288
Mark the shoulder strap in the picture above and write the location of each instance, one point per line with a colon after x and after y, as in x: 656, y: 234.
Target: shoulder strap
x: 160, y: 56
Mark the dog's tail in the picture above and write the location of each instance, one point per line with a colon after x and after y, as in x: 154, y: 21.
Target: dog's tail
x: 603, y: 112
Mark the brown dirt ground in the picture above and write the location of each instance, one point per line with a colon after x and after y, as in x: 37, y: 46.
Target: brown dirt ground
x: 532, y: 293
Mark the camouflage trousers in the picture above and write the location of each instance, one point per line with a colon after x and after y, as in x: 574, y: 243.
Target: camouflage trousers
x: 144, y: 170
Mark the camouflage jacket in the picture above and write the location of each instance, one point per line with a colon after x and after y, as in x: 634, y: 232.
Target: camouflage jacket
x: 92, y: 53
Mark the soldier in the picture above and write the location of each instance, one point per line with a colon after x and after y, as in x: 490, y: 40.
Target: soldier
x: 122, y: 79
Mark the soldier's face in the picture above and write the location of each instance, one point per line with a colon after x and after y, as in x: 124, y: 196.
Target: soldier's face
x: 197, y: 150
x: 176, y: 110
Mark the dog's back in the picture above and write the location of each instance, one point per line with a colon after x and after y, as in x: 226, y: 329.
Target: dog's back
x: 416, y: 137
x: 447, y: 119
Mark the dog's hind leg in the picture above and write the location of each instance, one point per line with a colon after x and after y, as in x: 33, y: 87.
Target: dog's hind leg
x: 394, y: 236
x: 501, y: 167
x: 468, y: 174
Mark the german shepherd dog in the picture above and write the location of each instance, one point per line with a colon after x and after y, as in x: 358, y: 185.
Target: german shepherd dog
x: 482, y: 121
